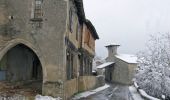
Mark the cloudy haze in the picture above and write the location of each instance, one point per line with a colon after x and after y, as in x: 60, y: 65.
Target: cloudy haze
x: 127, y: 22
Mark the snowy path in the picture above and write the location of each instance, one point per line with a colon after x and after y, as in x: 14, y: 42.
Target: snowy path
x: 91, y: 92
x: 114, y: 92
x: 135, y: 94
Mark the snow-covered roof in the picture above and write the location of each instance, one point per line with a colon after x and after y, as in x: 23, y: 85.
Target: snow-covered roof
x: 127, y: 58
x: 105, y: 65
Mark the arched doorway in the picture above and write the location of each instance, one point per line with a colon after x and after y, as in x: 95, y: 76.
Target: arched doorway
x: 21, y: 68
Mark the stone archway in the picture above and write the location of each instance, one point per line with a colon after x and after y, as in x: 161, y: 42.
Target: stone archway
x: 22, y: 65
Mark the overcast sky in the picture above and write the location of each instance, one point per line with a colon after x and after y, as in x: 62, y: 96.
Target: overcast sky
x: 127, y: 22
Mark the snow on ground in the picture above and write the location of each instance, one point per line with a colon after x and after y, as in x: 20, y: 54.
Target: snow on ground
x: 127, y: 58
x: 91, y: 92
x: 40, y: 97
x: 135, y: 95
x: 105, y: 65
x: 144, y: 94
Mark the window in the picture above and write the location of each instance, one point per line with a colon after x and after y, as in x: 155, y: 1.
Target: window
x: 71, y: 20
x: 87, y: 66
x: 77, y: 31
x: 91, y: 67
x: 36, y: 14
x: 69, y: 65
x: 38, y: 9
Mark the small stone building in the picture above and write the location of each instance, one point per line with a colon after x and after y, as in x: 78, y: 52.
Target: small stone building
x: 48, y: 41
x: 119, y: 68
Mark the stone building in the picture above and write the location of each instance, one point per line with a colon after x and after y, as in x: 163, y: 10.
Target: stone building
x: 50, y: 42
x: 119, y: 68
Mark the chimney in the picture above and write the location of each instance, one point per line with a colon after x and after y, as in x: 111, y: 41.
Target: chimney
x: 112, y: 51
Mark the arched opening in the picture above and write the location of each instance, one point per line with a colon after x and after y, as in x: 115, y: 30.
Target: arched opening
x: 21, y: 70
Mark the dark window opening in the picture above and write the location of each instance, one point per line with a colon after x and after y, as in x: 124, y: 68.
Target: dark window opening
x: 36, y: 71
x: 77, y: 31
x: 87, y: 66
x: 69, y: 65
x: 71, y: 20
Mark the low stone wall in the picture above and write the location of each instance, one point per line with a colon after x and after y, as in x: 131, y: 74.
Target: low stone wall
x: 71, y: 87
x: 100, y: 80
x: 54, y: 89
x: 86, y: 83
x: 83, y: 83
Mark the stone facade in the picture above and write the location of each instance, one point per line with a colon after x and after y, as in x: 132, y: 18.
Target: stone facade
x: 123, y: 69
x: 52, y: 34
x: 123, y: 72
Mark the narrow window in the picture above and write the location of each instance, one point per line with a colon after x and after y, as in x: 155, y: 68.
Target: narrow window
x: 71, y: 20
x: 91, y: 67
x: 36, y: 14
x: 77, y: 31
x: 84, y: 65
x: 69, y: 65
x: 38, y: 9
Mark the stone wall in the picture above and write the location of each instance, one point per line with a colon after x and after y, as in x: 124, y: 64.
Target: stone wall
x: 71, y: 87
x: 46, y: 41
x: 86, y: 83
x: 131, y: 68
x: 123, y: 72
x: 100, y: 80
x: 88, y: 42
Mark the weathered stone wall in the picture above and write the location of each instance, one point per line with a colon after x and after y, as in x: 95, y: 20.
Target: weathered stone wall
x: 123, y: 72
x: 71, y: 88
x: 3, y: 17
x: 74, y: 24
x: 47, y: 41
x: 120, y: 72
x: 86, y: 83
x: 88, y: 42
x: 100, y: 80
x: 131, y: 67
x: 100, y: 71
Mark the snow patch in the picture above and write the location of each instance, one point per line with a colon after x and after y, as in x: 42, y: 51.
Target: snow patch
x: 127, y: 58
x: 40, y: 97
x: 105, y: 65
x: 134, y: 93
x: 91, y: 92
x: 144, y: 94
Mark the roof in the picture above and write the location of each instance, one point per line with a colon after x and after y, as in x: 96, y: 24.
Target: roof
x: 105, y: 65
x: 80, y: 10
x: 127, y: 58
x: 111, y: 45
x: 92, y: 29
x: 82, y: 17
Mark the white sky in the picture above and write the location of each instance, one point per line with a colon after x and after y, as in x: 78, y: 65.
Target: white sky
x: 127, y: 22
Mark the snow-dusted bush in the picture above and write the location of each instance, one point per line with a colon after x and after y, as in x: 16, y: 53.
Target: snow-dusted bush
x: 153, y: 74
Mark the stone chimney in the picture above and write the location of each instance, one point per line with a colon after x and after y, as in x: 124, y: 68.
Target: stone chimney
x: 112, y: 51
